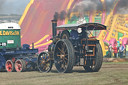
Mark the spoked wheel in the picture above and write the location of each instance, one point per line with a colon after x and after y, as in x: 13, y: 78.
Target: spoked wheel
x: 64, y: 56
x: 20, y: 65
x: 9, y: 66
x: 44, y: 62
x: 95, y: 65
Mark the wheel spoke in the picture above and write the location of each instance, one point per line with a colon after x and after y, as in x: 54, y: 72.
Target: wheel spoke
x: 64, y: 48
x: 58, y: 55
x: 63, y: 66
x: 45, y: 56
x: 44, y: 67
x: 59, y: 61
x: 61, y: 50
x: 66, y: 59
x: 47, y: 60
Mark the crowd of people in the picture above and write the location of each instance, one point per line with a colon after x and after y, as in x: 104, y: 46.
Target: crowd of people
x: 117, y: 51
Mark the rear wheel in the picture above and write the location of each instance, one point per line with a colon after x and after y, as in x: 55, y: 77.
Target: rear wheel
x: 20, y: 65
x: 95, y: 64
x: 44, y: 62
x: 65, y: 34
x: 64, y: 56
x: 9, y: 66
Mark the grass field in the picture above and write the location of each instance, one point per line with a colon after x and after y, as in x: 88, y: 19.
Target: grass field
x: 110, y: 74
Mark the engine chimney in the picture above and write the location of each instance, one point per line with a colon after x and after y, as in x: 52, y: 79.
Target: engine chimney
x: 54, y: 24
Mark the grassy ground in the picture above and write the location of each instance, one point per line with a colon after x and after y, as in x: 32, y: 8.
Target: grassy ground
x: 110, y: 74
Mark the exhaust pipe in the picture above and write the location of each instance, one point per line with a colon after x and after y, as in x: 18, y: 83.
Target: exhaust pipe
x: 54, y: 24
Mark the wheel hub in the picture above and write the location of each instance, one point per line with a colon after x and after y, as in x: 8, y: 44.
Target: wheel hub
x: 62, y: 56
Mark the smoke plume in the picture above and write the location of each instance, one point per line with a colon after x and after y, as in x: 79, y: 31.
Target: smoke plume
x: 81, y: 8
x: 122, y: 7
x: 60, y: 16
x: 56, y: 16
x: 109, y: 5
x: 88, y: 5
x: 94, y: 5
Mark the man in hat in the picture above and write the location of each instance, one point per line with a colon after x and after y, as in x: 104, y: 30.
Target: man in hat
x: 121, y: 49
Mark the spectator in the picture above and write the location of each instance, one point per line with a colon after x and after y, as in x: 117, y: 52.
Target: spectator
x: 121, y: 49
x: 126, y: 50
x: 110, y: 50
x: 115, y: 50
x: 108, y: 53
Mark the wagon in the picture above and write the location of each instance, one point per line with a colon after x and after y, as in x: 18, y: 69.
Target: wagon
x: 13, y: 56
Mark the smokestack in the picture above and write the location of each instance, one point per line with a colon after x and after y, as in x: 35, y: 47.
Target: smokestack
x: 54, y: 24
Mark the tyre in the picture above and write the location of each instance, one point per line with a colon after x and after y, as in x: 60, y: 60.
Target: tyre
x: 9, y: 66
x: 20, y: 65
x: 95, y: 65
x: 64, y: 56
x: 65, y: 34
x: 44, y: 63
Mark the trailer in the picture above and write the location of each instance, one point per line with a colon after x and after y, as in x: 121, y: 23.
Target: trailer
x: 13, y: 56
x: 72, y: 46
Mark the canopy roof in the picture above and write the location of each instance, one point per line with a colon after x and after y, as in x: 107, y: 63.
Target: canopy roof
x: 9, y: 26
x: 87, y: 26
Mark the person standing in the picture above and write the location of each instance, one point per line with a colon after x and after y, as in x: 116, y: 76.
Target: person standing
x: 115, y: 51
x: 110, y: 50
x: 121, y: 49
x: 126, y: 48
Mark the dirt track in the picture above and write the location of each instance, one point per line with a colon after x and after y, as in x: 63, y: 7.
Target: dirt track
x: 110, y: 74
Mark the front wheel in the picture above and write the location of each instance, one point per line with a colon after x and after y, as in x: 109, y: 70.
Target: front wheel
x: 44, y: 63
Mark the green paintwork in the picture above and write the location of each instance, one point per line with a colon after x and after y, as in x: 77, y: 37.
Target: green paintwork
x: 120, y: 35
x: 11, y: 35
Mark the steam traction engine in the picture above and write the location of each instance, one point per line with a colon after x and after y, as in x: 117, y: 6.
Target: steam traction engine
x: 72, y: 47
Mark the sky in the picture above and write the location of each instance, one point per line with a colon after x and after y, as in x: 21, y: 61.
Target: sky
x: 13, y: 6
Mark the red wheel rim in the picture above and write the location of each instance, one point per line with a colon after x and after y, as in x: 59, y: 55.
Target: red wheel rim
x: 9, y: 66
x: 18, y: 66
